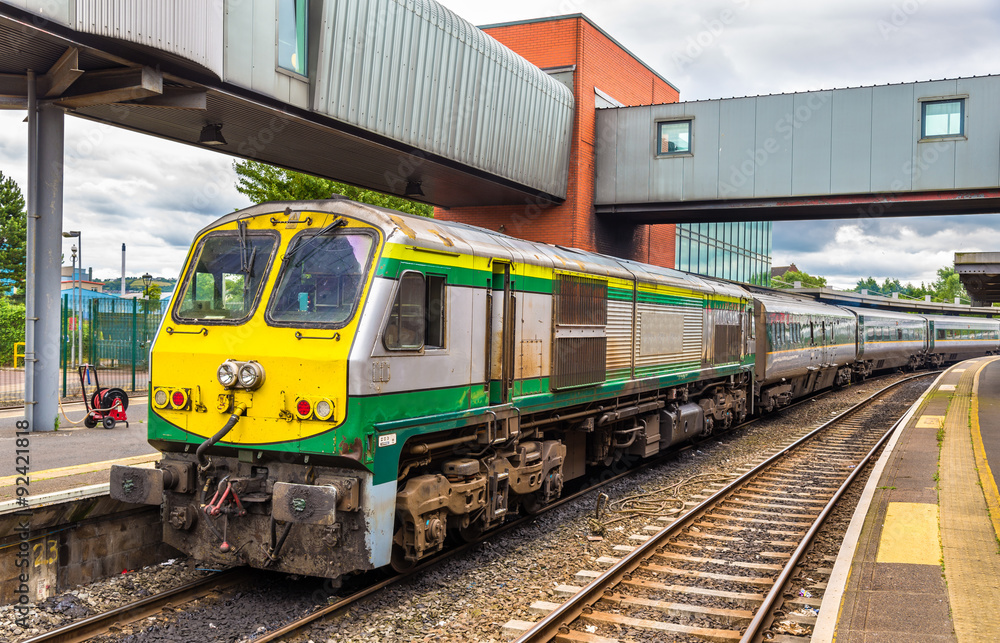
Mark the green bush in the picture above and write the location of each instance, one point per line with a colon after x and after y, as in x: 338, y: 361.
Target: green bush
x: 11, y: 329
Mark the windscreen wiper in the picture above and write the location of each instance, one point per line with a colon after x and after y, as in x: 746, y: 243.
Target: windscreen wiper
x: 246, y: 262
x: 339, y: 222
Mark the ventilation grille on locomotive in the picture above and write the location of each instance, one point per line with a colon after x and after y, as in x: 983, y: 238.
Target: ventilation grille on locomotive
x: 580, y: 342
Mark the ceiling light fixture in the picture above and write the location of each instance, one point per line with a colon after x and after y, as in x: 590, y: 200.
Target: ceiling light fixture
x: 211, y: 134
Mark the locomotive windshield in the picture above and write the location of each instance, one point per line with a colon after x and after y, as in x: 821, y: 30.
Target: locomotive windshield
x: 322, y: 277
x: 225, y: 277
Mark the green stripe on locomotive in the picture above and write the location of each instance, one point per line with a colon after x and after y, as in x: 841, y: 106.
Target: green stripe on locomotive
x: 415, y: 413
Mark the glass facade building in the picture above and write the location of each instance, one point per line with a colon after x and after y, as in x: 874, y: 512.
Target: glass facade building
x: 738, y: 250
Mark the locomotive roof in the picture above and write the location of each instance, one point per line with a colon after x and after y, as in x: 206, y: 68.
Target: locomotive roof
x: 453, y: 236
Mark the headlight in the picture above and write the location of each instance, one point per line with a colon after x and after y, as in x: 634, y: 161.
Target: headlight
x: 160, y: 398
x: 251, y: 375
x: 227, y: 373
x: 324, y: 409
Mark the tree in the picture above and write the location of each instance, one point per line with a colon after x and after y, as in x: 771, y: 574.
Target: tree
x: 11, y: 329
x: 261, y: 182
x: 13, y: 230
x: 948, y: 285
x: 945, y: 288
x: 788, y: 280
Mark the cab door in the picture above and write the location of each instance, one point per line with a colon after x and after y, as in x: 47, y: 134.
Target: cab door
x: 501, y: 332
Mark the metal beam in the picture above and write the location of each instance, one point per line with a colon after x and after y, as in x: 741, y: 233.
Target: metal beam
x: 30, y: 316
x: 176, y: 98
x: 48, y: 260
x: 113, y: 86
x: 851, y: 206
x: 62, y: 74
x: 13, y: 91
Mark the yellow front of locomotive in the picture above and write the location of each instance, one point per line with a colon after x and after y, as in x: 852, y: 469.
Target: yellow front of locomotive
x: 249, y: 393
x: 261, y: 327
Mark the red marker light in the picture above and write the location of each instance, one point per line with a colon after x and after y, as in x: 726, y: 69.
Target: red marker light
x: 304, y: 408
x: 178, y: 399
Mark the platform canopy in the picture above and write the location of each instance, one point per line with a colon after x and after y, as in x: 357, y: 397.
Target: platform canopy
x: 980, y: 274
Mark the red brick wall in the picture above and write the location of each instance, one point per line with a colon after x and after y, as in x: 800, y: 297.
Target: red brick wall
x: 599, y: 63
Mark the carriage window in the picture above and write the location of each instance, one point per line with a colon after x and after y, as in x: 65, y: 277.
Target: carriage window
x: 322, y: 278
x: 225, y: 276
x: 417, y: 318
x: 435, y: 312
x: 870, y: 333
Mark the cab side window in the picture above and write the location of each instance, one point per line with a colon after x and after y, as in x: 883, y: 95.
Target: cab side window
x: 417, y: 318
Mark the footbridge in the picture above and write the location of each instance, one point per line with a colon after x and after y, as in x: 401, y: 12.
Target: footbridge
x: 926, y: 148
x: 403, y: 97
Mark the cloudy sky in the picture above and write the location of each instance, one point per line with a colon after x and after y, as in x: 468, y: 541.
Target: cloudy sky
x: 154, y: 195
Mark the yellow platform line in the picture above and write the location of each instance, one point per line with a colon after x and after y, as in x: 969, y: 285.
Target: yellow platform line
x: 971, y: 563
x: 77, y: 469
x: 990, y: 491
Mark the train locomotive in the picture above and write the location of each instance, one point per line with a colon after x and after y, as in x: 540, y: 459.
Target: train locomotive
x: 339, y: 387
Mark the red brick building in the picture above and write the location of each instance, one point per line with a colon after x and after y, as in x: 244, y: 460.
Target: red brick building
x: 601, y: 72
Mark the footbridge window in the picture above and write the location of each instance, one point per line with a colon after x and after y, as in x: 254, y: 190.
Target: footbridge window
x: 292, y: 35
x: 942, y: 118
x: 673, y: 137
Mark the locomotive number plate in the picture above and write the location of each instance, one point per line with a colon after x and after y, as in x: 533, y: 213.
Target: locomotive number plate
x: 387, y: 440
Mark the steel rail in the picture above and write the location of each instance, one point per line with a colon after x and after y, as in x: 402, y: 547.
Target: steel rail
x: 295, y: 626
x: 559, y: 619
x: 756, y: 624
x: 99, y: 623
x: 353, y: 598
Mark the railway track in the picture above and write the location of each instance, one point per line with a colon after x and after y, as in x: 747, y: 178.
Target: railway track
x: 104, y: 622
x: 298, y: 626
x: 720, y: 572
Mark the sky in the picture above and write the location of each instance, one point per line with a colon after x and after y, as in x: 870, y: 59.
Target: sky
x: 154, y: 195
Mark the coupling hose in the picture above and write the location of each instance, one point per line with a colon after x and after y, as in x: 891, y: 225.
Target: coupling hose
x: 238, y: 411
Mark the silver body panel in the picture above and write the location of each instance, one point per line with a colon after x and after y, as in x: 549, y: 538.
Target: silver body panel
x: 786, y: 357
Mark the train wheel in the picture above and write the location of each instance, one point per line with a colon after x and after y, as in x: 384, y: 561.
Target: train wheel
x: 471, y: 533
x: 398, y: 560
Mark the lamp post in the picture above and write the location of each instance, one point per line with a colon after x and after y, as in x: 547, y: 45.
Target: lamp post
x: 72, y: 303
x: 79, y: 320
x: 146, y: 279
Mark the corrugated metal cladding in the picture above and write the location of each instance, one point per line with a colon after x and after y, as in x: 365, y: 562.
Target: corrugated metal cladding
x: 619, y: 333
x: 191, y: 29
x: 417, y: 73
x: 691, y: 342
x: 842, y: 141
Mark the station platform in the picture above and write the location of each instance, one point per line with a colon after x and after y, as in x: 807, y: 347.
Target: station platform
x: 74, y: 461
x: 921, y: 561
